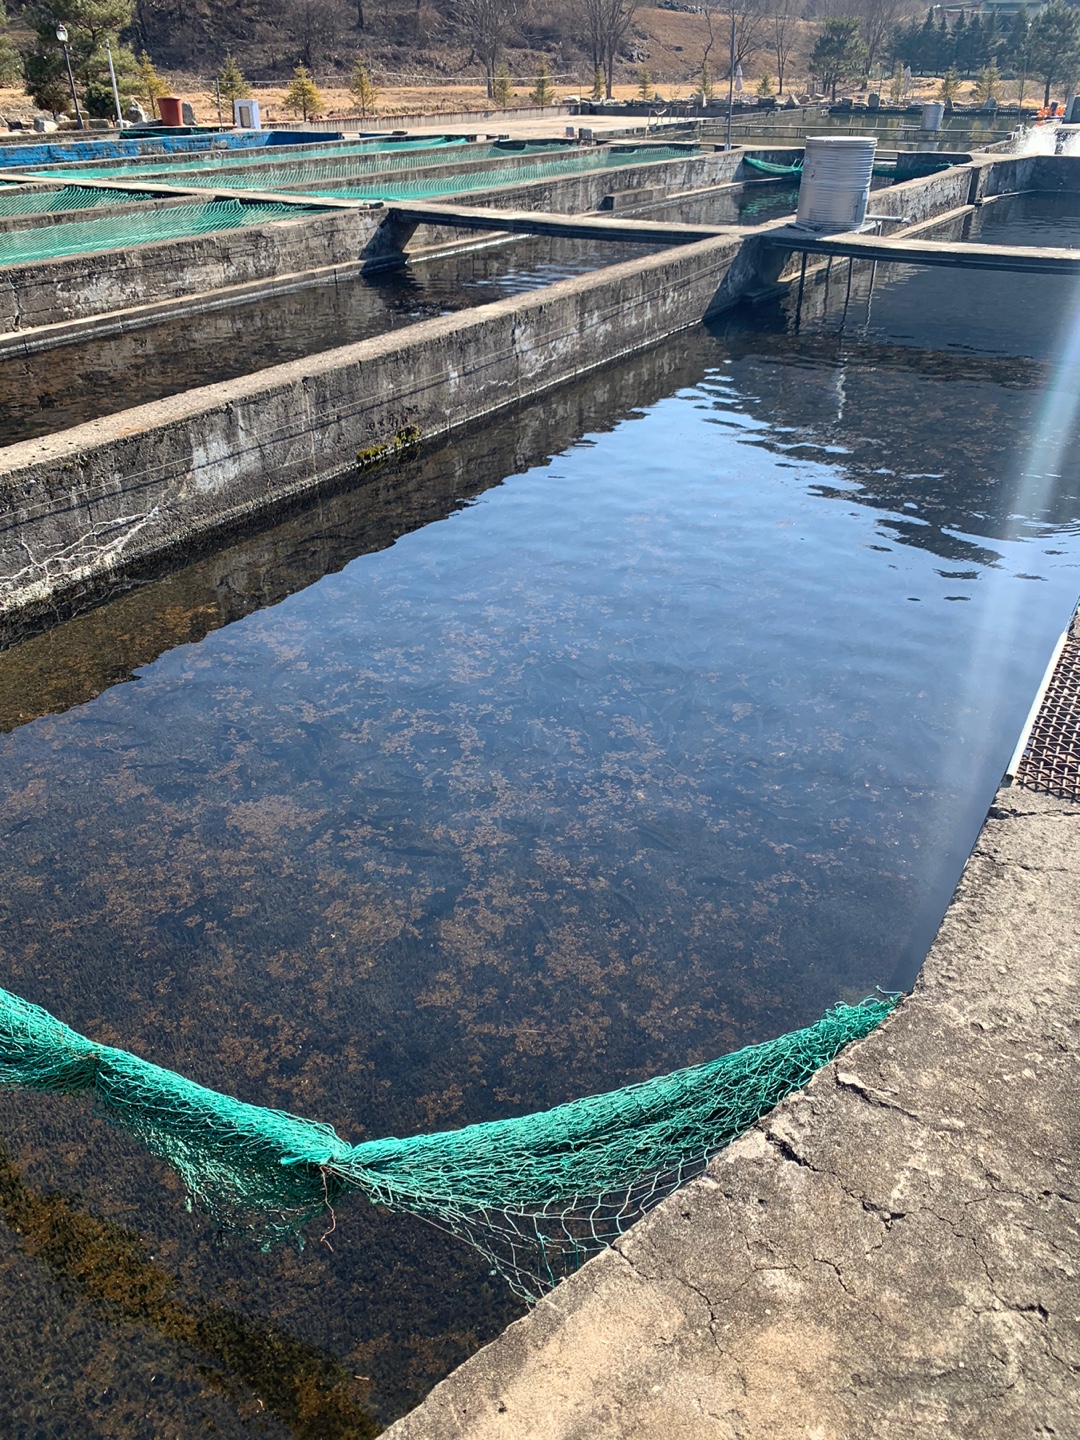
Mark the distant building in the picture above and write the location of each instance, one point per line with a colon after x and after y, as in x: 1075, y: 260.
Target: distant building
x: 1006, y: 9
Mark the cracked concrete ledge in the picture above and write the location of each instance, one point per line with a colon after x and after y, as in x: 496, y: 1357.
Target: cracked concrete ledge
x: 892, y: 1252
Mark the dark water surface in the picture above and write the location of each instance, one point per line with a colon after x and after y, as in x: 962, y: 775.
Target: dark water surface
x: 1034, y: 218
x: 55, y: 389
x: 643, y: 724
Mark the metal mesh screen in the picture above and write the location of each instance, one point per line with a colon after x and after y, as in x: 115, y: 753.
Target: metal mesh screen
x: 1051, y: 759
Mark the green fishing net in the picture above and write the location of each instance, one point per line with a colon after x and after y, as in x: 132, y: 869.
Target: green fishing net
x: 141, y: 227
x: 536, y: 1195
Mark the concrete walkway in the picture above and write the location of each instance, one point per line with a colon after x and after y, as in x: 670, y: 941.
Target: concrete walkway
x: 894, y: 1252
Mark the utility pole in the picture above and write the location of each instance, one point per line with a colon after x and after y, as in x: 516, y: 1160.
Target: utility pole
x: 62, y: 36
x: 731, y: 78
x: 115, y: 91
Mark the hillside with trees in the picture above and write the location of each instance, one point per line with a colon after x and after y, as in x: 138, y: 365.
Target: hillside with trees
x: 520, y: 48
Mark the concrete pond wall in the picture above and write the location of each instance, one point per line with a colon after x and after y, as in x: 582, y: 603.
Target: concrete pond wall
x: 69, y: 287
x: 74, y: 505
x: 156, y: 478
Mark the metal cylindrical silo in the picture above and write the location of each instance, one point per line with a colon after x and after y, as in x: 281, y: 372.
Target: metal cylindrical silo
x: 835, y: 184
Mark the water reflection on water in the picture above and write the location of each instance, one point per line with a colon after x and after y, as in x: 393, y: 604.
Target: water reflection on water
x: 644, y: 724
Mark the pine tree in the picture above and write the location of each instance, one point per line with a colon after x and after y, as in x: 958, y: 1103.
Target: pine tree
x: 946, y: 48
x: 987, y: 85
x: 231, y: 83
x: 644, y: 84
x: 1054, y: 46
x: 303, y: 96
x: 896, y: 84
x: 363, y: 89
x: 597, y: 84
x: 839, y: 54
x: 1018, y: 50
x: 950, y: 86
x: 503, y: 88
x: 959, y: 43
x: 150, y: 84
x: 764, y: 88
x: 543, y: 92
x: 708, y: 91
x: 89, y: 24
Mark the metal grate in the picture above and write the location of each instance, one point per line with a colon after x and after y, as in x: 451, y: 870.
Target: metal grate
x: 1050, y: 763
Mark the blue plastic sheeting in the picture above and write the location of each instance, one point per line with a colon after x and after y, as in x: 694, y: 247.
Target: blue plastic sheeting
x: 65, y: 152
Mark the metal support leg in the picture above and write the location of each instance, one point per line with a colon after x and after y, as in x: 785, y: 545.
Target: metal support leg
x: 798, y: 302
x: 847, y: 295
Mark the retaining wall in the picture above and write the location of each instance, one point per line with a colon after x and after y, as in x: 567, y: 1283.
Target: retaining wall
x: 467, y: 119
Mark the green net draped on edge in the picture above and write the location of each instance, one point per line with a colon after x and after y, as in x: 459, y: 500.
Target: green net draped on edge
x: 536, y: 1195
x: 121, y: 232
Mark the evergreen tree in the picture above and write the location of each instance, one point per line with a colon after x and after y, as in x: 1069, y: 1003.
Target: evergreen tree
x: 151, y: 87
x: 959, y: 42
x: 1054, y: 46
x: 597, y: 84
x: 993, y: 40
x: 303, y: 96
x: 363, y: 89
x: 973, y: 56
x: 1016, y: 44
x: 929, y: 45
x: 950, y: 86
x: 839, y: 54
x: 231, y: 83
x: 708, y: 91
x: 1018, y: 50
x: 89, y: 24
x: 502, y: 90
x: 543, y: 92
x: 644, y: 84
x: 987, y: 85
x: 764, y: 88
x: 946, y: 48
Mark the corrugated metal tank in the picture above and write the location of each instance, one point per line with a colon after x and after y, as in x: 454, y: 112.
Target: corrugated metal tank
x: 835, y: 185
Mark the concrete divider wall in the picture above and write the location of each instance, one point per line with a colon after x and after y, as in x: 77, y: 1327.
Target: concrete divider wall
x: 74, y: 286
x: 1053, y: 172
x: 77, y: 504
x: 576, y: 194
x: 570, y: 194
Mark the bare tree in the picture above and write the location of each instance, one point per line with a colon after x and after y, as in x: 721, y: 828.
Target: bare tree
x: 782, y: 32
x: 488, y: 24
x: 877, y: 21
x: 314, y: 26
x: 605, y: 23
x: 750, y: 33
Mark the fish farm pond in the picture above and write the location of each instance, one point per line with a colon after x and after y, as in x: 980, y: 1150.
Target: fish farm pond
x: 637, y: 725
